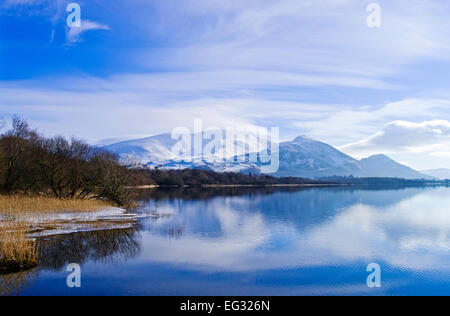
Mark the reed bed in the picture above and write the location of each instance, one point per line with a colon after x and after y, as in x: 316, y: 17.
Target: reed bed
x: 20, y: 204
x: 20, y: 215
x: 17, y: 251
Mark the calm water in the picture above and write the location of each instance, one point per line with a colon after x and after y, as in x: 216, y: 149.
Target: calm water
x: 315, y: 241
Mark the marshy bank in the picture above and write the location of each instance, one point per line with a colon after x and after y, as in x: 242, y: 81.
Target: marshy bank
x: 25, y: 218
x: 17, y: 251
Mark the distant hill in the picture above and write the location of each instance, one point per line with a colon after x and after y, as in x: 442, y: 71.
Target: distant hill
x: 441, y: 174
x: 302, y: 157
x: 305, y: 157
x: 382, y: 166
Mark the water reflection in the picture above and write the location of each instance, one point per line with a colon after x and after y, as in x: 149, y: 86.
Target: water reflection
x: 315, y: 227
x: 109, y: 247
x: 14, y: 283
x: 247, y: 241
x: 199, y: 193
x: 56, y: 252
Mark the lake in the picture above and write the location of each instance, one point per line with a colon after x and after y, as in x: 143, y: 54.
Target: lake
x: 243, y: 241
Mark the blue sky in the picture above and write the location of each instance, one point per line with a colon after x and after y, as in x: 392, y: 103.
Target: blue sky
x: 312, y: 67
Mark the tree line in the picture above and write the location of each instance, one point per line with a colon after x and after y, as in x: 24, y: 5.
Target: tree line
x: 59, y: 167
x: 198, y: 177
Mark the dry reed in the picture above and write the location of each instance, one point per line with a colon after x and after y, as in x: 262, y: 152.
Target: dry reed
x: 16, y: 204
x: 17, y: 251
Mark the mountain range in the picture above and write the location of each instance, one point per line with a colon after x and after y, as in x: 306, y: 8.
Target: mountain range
x: 301, y: 157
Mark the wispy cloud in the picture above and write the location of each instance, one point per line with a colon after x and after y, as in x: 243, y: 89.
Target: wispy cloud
x: 73, y: 34
x: 324, y: 38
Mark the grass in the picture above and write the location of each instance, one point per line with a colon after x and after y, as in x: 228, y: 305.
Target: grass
x: 18, y: 213
x: 20, y: 204
x: 17, y: 251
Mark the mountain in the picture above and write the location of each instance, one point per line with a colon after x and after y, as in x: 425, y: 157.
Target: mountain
x: 305, y: 157
x: 302, y: 157
x: 441, y: 174
x: 383, y: 166
x: 155, y: 149
x: 159, y: 150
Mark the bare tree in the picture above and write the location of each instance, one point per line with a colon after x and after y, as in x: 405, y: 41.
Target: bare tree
x: 60, y: 167
x: 15, y: 148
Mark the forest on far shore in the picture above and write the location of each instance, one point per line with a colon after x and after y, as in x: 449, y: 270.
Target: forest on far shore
x: 199, y: 177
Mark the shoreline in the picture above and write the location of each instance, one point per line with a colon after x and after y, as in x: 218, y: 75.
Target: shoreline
x: 237, y: 185
x: 269, y: 185
x: 306, y: 185
x: 39, y: 225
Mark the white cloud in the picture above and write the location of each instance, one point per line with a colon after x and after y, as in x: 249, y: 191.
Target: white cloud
x: 73, y: 35
x: 422, y: 144
x: 325, y: 38
x: 346, y: 125
x: 404, y: 136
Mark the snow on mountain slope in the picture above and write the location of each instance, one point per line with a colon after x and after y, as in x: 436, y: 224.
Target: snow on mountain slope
x: 159, y: 149
x: 155, y: 149
x: 302, y: 157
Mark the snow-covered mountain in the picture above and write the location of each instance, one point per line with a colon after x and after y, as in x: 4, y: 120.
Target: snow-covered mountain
x: 151, y: 150
x: 383, y: 166
x: 441, y: 174
x: 217, y: 154
x: 302, y: 157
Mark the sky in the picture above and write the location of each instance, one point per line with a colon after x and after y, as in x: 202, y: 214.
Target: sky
x: 137, y: 68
